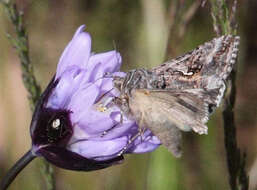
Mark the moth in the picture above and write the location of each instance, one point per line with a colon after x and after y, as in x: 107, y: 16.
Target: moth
x: 180, y: 94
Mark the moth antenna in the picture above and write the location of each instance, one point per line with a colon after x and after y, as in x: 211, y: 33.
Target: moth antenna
x: 116, y: 49
x: 114, y: 45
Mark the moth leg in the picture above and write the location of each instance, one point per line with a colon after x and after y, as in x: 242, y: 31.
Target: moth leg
x: 141, y: 127
x: 106, y: 131
x: 130, y: 141
x: 117, y: 101
x: 121, y: 117
x: 141, y: 131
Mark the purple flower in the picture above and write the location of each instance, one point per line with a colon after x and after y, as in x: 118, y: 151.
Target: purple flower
x: 76, y: 124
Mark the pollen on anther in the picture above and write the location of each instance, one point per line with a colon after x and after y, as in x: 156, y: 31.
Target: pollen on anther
x: 56, y: 123
x: 101, y: 108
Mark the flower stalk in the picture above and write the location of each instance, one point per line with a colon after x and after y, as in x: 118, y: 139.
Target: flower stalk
x: 21, y: 45
x: 15, y: 170
x: 224, y: 23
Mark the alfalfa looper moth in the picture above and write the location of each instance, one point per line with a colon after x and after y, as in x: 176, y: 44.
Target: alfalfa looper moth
x: 180, y: 94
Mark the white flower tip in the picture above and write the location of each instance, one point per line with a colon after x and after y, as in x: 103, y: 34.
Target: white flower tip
x: 80, y: 33
x: 79, y: 30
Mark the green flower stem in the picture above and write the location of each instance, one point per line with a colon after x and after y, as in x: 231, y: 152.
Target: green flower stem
x: 223, y: 22
x: 34, y: 91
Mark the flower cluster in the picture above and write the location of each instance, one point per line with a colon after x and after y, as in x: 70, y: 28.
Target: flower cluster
x: 76, y: 124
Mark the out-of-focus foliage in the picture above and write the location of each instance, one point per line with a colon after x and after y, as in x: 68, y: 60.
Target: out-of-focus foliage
x: 141, y: 31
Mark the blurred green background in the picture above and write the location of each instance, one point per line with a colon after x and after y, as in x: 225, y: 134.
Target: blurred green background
x: 141, y: 30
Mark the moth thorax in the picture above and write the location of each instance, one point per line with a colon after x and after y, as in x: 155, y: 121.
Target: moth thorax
x: 139, y: 79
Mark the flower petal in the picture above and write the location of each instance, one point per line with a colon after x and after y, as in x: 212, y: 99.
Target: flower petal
x: 93, y: 75
x: 143, y: 148
x: 66, y: 87
x: 82, y: 101
x: 119, y: 74
x: 76, y: 53
x: 95, y: 122
x: 66, y: 159
x: 144, y: 143
x: 118, y: 131
x: 96, y: 149
x: 111, y: 61
x: 106, y: 85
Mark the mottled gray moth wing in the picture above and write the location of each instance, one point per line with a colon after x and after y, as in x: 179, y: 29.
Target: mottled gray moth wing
x: 206, y: 67
x: 166, y: 112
